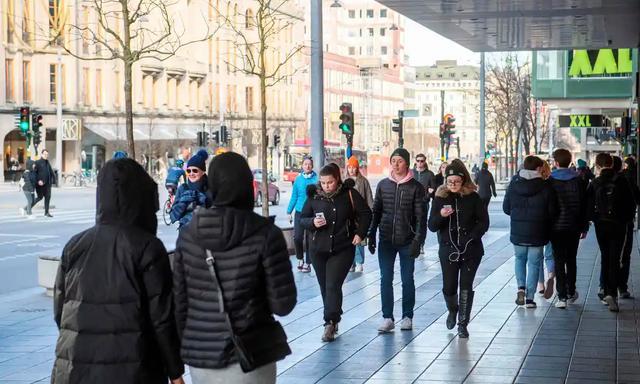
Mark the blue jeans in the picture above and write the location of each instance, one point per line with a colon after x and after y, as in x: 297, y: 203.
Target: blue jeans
x: 359, y: 255
x: 387, y: 258
x: 528, y: 261
x: 548, y: 261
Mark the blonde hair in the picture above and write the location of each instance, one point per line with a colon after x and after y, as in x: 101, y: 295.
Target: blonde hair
x: 546, y: 170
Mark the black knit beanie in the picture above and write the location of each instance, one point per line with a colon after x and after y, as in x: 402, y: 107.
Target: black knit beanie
x: 402, y: 153
x: 455, y: 169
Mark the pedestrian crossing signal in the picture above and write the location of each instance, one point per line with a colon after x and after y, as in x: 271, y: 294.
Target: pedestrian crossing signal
x: 24, y: 120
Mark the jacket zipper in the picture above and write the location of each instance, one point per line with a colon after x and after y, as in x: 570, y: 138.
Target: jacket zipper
x: 395, y: 212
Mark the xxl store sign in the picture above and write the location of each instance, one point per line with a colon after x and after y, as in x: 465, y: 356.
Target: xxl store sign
x: 579, y: 121
x: 600, y: 62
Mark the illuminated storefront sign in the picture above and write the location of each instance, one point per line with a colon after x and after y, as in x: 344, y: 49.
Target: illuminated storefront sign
x: 577, y: 121
x: 600, y: 62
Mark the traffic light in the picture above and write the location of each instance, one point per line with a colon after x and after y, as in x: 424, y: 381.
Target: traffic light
x: 36, y: 125
x: 203, y: 139
x: 276, y: 140
x: 215, y: 137
x: 449, y: 122
x: 443, y: 130
x: 396, y: 125
x: 346, y: 120
x: 224, y: 135
x: 24, y: 120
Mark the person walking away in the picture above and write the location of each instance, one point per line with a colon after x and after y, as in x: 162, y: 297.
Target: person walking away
x: 532, y: 205
x: 439, y: 178
x: 584, y: 171
x: 337, y: 219
x: 460, y: 218
x: 570, y: 225
x: 398, y: 210
x: 193, y: 193
x: 546, y: 290
x: 610, y: 207
x: 486, y: 184
x: 176, y: 176
x: 425, y: 177
x: 249, y: 260
x: 629, y: 173
x: 28, y: 187
x: 113, y: 301
x: 298, y: 198
x: 45, y: 178
x: 14, y: 167
x: 363, y: 187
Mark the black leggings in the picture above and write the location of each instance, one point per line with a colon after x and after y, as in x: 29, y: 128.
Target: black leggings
x: 463, y: 271
x: 331, y: 270
x: 300, y: 239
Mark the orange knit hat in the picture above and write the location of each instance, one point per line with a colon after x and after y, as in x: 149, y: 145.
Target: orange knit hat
x: 353, y: 162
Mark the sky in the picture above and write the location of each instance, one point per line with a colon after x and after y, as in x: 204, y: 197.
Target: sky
x: 438, y: 47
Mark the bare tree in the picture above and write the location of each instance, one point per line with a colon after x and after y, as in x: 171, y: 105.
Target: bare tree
x: 258, y: 42
x: 124, y: 30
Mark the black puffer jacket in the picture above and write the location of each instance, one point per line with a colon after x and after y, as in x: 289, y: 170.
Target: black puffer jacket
x: 463, y: 230
x: 399, y: 211
x: 486, y: 184
x: 533, y: 206
x: 427, y: 179
x: 341, y: 215
x: 624, y: 206
x: 253, y: 265
x: 113, y: 299
x: 571, y: 190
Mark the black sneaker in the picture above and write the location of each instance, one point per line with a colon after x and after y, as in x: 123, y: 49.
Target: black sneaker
x: 625, y: 294
x: 520, y: 298
x: 531, y: 304
x: 601, y: 294
x: 48, y: 215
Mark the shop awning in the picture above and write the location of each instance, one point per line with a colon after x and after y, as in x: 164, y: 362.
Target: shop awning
x: 113, y: 132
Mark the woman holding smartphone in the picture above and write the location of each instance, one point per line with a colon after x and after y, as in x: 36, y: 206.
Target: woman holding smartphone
x: 337, y: 219
x: 461, y: 219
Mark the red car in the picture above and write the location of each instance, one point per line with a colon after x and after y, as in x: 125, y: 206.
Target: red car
x: 290, y: 175
x: 274, y: 191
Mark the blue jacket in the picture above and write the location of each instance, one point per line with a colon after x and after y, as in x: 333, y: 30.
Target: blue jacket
x: 188, y: 197
x: 299, y: 192
x: 174, y: 174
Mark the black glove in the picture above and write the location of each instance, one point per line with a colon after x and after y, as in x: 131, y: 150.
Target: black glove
x: 414, y: 249
x: 371, y: 244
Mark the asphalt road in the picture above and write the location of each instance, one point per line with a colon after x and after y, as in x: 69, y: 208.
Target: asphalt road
x: 22, y: 239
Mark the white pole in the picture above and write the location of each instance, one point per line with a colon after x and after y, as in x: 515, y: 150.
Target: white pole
x: 58, y: 164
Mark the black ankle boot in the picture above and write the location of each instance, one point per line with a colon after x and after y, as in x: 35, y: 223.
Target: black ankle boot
x: 464, y: 313
x: 452, y: 306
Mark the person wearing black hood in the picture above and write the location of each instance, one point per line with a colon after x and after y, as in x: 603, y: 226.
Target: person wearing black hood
x: 193, y: 193
x: 486, y: 184
x: 630, y: 174
x: 460, y: 218
x: 250, y: 258
x: 28, y: 186
x: 337, y: 218
x: 113, y: 301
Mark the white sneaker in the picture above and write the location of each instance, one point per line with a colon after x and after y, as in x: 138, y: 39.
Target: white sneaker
x: 22, y: 212
x: 406, y: 324
x: 386, y: 326
x: 359, y: 268
x: 562, y: 304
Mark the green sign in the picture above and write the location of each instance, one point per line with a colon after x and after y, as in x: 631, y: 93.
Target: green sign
x: 579, y: 121
x: 600, y: 62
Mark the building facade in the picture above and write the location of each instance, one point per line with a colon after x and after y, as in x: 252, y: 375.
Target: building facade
x: 198, y: 88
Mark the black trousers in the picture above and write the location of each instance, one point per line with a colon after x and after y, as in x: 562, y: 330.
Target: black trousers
x: 565, y: 253
x: 461, y: 273
x: 331, y: 270
x: 623, y: 284
x: 43, y: 191
x: 486, y: 201
x: 612, y: 238
x: 299, y: 235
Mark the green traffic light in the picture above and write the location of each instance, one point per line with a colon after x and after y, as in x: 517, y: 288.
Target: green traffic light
x: 24, y: 126
x: 344, y: 127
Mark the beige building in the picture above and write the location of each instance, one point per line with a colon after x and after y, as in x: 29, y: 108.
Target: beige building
x: 172, y: 99
x: 460, y: 86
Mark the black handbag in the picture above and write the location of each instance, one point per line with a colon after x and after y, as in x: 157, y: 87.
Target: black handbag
x: 254, y: 348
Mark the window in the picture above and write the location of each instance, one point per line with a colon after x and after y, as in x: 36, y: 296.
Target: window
x: 370, y: 13
x: 85, y: 87
x: 370, y: 31
x: 216, y: 97
x: 99, y: 87
x: 361, y: 13
x: 26, y: 22
x: 383, y: 13
x: 116, y: 90
x: 229, y: 98
x: 439, y: 75
x: 360, y: 32
x: 85, y: 34
x: 26, y: 81
x: 352, y: 51
x: 56, y: 21
x: 248, y: 19
x: 8, y: 80
x: 383, y: 50
x: 465, y: 75
x: 53, y: 79
x: 352, y: 13
x: 370, y: 50
x: 217, y: 55
x: 452, y: 74
x: 550, y: 65
x: 249, y: 98
x: 360, y: 50
x: 383, y: 31
x: 10, y: 21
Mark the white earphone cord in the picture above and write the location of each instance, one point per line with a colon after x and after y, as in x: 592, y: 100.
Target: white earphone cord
x: 457, y: 252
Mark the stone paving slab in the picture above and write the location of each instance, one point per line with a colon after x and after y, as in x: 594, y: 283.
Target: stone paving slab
x: 583, y: 344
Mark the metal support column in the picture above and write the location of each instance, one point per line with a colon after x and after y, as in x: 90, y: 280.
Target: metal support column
x: 317, y: 85
x: 482, y: 107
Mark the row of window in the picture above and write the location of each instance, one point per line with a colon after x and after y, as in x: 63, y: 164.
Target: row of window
x: 441, y: 75
x: 457, y: 84
x: 369, y: 51
x: 371, y: 32
x: 369, y: 13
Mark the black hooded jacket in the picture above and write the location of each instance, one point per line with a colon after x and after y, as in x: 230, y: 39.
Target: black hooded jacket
x: 533, y: 207
x: 486, y: 184
x: 252, y: 263
x: 113, y: 301
x: 342, y: 212
x: 624, y: 203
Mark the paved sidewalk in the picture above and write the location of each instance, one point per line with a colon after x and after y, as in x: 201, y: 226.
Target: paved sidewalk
x: 583, y: 344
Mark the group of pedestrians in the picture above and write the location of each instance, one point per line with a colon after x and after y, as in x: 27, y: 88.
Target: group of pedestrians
x: 37, y: 180
x: 553, y: 209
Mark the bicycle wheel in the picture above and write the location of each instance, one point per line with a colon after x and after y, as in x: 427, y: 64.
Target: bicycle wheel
x: 166, y: 211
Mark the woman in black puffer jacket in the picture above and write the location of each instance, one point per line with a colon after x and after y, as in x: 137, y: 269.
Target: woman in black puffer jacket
x: 337, y: 218
x: 253, y: 267
x: 461, y: 219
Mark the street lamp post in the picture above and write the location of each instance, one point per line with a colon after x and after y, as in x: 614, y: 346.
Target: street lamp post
x: 317, y: 85
x: 58, y: 163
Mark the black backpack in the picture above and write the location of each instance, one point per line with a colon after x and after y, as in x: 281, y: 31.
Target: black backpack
x: 605, y: 200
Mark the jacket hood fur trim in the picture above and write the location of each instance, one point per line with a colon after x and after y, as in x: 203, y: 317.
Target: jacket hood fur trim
x: 316, y: 189
x: 467, y: 189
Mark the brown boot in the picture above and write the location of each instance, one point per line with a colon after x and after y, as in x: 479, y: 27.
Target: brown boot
x: 330, y: 330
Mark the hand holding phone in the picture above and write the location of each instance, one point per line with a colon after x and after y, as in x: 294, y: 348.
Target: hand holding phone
x: 446, y: 211
x: 319, y: 221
